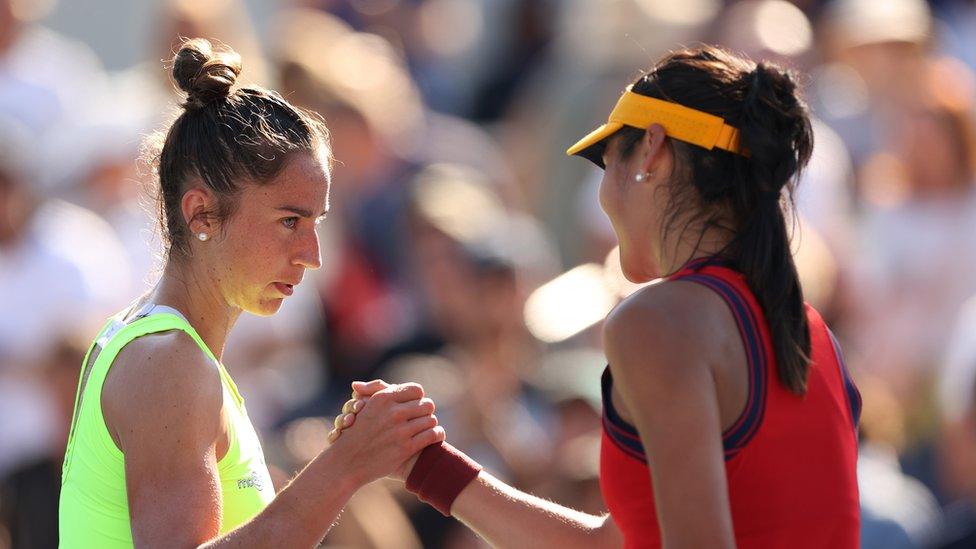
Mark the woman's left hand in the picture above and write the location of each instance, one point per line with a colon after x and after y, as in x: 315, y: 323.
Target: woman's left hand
x: 361, y: 392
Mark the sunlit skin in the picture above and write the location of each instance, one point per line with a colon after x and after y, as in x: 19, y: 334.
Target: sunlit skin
x: 252, y: 259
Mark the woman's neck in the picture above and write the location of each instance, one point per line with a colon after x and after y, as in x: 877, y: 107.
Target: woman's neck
x: 690, y: 245
x: 198, y: 297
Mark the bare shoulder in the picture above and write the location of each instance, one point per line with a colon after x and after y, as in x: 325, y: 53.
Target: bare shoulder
x: 665, y: 325
x: 157, y: 384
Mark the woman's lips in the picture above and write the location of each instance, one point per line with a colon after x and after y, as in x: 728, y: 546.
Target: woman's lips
x: 285, y: 289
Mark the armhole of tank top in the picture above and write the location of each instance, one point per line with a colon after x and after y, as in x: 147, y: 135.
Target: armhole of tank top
x: 110, y: 328
x: 86, y: 367
x: 747, y: 424
x: 851, y: 391
x: 621, y: 433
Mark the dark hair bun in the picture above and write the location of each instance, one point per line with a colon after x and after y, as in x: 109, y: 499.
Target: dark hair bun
x: 204, y: 72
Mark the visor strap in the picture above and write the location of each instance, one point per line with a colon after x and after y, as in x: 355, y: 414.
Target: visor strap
x: 680, y: 122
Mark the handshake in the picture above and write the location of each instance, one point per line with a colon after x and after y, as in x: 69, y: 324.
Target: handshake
x: 391, y: 430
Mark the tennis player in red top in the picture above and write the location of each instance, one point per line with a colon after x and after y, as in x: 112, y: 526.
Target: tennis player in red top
x: 729, y: 419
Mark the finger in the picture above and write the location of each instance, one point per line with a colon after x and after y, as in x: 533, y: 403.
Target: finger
x: 358, y: 405
x: 425, y: 438
x: 337, y: 423
x: 367, y: 388
x: 333, y: 435
x: 405, y: 392
x: 419, y: 425
x: 348, y: 420
x: 414, y: 409
x: 348, y: 407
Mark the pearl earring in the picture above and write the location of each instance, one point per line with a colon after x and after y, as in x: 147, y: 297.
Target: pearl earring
x: 642, y: 176
x: 203, y: 237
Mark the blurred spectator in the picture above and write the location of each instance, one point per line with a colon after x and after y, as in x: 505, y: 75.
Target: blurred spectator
x: 897, y: 511
x: 920, y: 215
x: 61, y: 270
x: 29, y: 493
x: 957, y: 443
x: 45, y: 78
x: 956, y: 21
x: 865, y: 44
x: 474, y: 264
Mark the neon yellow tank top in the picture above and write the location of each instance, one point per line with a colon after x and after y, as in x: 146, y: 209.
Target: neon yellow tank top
x: 94, y: 508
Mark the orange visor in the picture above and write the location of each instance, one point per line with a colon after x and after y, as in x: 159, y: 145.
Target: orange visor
x: 679, y: 122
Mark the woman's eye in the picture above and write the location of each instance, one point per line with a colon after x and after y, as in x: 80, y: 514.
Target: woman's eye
x: 290, y: 222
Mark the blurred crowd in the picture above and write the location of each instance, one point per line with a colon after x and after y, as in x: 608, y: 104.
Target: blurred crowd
x: 466, y: 252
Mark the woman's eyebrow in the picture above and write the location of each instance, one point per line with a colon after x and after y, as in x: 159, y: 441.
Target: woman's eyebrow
x: 302, y: 212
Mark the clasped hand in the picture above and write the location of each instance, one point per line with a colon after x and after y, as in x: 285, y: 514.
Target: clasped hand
x: 388, y: 414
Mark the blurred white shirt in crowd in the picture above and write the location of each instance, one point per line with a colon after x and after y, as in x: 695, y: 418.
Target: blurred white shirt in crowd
x: 919, y: 267
x: 66, y: 274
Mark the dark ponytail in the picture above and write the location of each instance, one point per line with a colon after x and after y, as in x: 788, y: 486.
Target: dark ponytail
x: 762, y: 101
x: 776, y: 129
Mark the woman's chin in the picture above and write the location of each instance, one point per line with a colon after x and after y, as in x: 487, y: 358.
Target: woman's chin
x: 638, y: 274
x: 265, y: 307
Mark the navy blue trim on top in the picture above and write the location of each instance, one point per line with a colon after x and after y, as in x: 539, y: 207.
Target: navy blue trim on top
x: 745, y: 427
x: 625, y: 435
x: 853, y: 395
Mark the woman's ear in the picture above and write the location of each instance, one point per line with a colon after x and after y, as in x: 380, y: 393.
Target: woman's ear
x: 653, y: 148
x: 198, y: 205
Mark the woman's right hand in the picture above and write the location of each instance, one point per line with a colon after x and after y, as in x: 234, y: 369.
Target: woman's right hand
x: 394, y: 424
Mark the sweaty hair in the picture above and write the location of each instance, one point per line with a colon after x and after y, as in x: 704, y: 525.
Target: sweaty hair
x: 223, y: 138
x: 718, y: 189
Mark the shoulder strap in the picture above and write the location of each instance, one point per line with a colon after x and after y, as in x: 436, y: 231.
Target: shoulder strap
x: 728, y: 285
x: 117, y: 335
x: 160, y: 318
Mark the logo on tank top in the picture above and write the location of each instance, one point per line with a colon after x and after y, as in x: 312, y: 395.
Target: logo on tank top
x: 253, y: 481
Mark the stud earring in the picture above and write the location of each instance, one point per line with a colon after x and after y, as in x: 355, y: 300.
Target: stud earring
x: 203, y: 237
x: 642, y: 176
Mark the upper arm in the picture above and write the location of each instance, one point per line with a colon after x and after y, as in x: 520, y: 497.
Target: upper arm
x: 660, y: 357
x: 162, y: 400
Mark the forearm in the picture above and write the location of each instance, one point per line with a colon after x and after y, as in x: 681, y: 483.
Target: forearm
x: 508, y: 518
x: 302, y: 513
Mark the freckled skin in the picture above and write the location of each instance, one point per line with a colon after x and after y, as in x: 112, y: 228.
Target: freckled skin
x: 261, y: 244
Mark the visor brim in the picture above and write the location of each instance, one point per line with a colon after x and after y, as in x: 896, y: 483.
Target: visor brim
x: 591, y: 146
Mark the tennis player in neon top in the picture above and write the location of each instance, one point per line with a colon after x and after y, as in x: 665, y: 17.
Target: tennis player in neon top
x: 729, y: 419
x: 161, y: 451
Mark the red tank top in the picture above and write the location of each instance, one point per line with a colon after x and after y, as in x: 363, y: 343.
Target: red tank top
x: 790, y: 460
